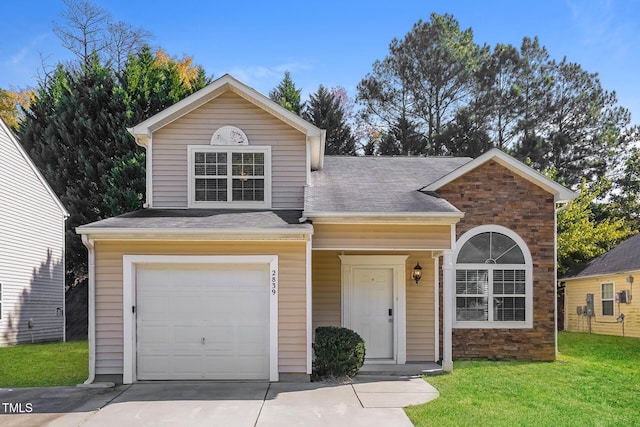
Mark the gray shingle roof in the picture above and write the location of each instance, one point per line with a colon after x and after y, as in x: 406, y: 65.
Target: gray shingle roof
x: 202, y: 218
x: 379, y: 184
x: 624, y: 257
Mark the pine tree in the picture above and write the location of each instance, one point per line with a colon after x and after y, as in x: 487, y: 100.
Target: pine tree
x: 325, y: 111
x: 73, y: 131
x: 287, y: 95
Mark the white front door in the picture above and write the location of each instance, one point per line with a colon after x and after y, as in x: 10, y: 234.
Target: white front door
x: 372, y: 310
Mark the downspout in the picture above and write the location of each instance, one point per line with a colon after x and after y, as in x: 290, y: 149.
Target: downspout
x: 448, y: 304
x: 64, y: 278
x: 555, y: 273
x: 90, y: 244
x: 309, y: 306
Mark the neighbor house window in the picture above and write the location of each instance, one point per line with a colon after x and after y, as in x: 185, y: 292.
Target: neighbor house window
x: 606, y: 291
x: 230, y: 176
x: 493, y: 283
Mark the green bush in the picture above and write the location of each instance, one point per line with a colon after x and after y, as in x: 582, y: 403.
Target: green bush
x: 339, y: 353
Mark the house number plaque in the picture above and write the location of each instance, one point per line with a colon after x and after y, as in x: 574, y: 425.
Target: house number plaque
x: 274, y: 282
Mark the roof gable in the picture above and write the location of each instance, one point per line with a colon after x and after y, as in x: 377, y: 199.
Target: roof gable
x: 316, y: 137
x: 31, y: 166
x: 561, y: 193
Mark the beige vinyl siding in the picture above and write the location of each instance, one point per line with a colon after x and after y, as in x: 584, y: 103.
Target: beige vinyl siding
x: 31, y: 252
x: 576, y: 291
x: 420, y: 310
x: 381, y: 236
x: 292, y: 297
x: 288, y: 150
x: 326, y: 278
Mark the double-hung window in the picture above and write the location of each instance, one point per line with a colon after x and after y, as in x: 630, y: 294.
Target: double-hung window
x: 607, y: 299
x: 493, y: 283
x: 230, y: 176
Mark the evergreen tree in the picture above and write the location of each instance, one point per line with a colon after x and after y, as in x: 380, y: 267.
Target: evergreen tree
x: 465, y: 135
x: 287, y: 95
x: 326, y: 112
x: 73, y: 131
x: 425, y: 78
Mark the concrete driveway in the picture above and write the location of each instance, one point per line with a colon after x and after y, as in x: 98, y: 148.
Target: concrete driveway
x: 367, y: 401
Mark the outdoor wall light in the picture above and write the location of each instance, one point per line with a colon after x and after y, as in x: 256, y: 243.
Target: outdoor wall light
x: 416, y: 274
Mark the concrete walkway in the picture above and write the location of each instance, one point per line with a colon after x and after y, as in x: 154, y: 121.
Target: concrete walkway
x: 366, y: 401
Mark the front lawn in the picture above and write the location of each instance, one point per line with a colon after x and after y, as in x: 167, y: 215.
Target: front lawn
x: 34, y: 365
x: 594, y: 382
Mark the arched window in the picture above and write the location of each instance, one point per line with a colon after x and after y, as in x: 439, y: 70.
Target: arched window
x: 493, y: 280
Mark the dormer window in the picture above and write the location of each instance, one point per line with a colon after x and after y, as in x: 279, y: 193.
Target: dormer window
x: 230, y: 176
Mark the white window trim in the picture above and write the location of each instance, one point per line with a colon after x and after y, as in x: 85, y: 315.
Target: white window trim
x: 527, y: 266
x: 192, y: 149
x: 613, y: 299
x: 129, y: 265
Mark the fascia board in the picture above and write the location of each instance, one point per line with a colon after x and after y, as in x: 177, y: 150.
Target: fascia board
x: 602, y: 275
x: 561, y: 193
x: 212, y: 91
x: 377, y: 218
x: 194, y: 233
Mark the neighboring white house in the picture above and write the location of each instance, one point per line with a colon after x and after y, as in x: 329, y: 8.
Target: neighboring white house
x: 31, y: 250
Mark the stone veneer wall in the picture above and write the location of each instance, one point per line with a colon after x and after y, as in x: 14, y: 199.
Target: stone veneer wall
x: 492, y: 194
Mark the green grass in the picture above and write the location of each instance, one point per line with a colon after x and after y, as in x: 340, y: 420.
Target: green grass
x: 34, y: 365
x: 594, y: 382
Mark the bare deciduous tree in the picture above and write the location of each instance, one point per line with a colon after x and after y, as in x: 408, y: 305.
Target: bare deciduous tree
x: 86, y: 29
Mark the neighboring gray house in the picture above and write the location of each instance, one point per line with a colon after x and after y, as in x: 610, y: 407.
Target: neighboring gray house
x: 31, y: 250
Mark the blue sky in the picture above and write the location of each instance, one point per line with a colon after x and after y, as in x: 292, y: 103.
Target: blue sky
x: 335, y: 42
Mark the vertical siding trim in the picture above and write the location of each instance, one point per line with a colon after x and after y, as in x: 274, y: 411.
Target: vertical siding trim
x: 436, y: 306
x: 90, y: 245
x: 447, y: 312
x: 309, y: 306
x: 64, y: 276
x: 149, y: 172
x: 555, y: 279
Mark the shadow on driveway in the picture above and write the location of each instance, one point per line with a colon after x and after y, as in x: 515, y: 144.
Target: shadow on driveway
x: 207, y: 403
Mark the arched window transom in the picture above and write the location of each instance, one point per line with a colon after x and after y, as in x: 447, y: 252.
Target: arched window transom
x: 493, y: 284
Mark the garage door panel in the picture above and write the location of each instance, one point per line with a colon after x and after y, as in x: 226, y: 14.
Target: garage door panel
x: 179, y: 305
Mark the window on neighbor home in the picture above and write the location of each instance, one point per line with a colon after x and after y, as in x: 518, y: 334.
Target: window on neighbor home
x: 606, y: 292
x: 230, y: 176
x: 493, y: 283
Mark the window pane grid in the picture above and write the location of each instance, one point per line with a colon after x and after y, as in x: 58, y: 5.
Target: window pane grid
x: 211, y: 190
x: 509, y: 309
x: 222, y: 176
x: 606, y: 292
x: 248, y: 189
x: 472, y: 288
x: 491, y: 280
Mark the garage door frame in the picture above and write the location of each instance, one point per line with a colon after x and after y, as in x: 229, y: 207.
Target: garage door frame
x: 129, y: 265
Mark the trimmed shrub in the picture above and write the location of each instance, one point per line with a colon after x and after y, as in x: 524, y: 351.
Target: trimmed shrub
x: 339, y: 353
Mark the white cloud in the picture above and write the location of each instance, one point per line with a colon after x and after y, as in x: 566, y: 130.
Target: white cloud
x: 264, y: 78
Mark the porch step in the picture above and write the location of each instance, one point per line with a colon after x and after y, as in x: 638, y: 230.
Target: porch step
x: 410, y: 369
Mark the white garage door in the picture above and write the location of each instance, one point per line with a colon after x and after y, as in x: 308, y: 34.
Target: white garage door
x: 202, y: 321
